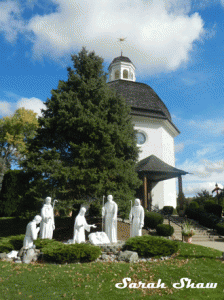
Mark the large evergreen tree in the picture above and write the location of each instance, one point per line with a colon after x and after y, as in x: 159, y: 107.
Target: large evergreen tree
x: 85, y: 146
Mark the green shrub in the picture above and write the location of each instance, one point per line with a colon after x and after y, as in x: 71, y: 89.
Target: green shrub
x: 167, y: 210
x: 213, y: 208
x: 54, y: 251
x: 164, y: 230
x: 208, y: 220
x: 208, y: 202
x: 10, y: 243
x: 153, y: 219
x: 17, y: 241
x: 194, y: 205
x: 220, y: 228
x: 5, y: 245
x: 193, y: 213
x: 46, y: 243
x: 151, y: 246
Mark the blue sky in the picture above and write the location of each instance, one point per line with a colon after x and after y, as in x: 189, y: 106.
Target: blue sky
x: 177, y: 48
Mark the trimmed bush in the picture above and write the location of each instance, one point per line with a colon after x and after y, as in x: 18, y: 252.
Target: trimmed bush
x: 220, y: 228
x: 153, y: 219
x: 167, y: 210
x: 164, y: 230
x: 193, y: 205
x: 193, y: 213
x: 209, y: 202
x: 204, y: 218
x: 46, y: 243
x: 58, y: 252
x: 150, y: 246
x: 10, y: 243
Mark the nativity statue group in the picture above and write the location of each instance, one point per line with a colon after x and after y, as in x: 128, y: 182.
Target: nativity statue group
x: 109, y: 217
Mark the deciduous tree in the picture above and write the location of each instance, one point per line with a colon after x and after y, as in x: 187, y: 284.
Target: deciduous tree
x: 15, y: 131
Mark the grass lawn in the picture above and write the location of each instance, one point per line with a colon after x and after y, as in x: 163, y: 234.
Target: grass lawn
x: 97, y: 280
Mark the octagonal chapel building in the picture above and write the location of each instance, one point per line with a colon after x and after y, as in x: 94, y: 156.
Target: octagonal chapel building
x: 155, y: 136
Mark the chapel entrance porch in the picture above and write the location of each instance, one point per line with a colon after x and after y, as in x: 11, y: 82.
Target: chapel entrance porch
x: 152, y: 170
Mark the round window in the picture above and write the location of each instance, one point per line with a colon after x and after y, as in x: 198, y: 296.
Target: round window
x: 141, y: 138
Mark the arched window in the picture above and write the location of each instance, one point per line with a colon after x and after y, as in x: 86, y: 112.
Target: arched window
x: 125, y: 74
x: 116, y: 74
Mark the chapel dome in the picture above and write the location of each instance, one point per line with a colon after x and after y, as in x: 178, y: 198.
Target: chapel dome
x: 121, y: 59
x: 142, y: 99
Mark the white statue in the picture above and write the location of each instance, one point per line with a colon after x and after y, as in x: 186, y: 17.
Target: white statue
x: 109, y: 212
x: 47, y: 224
x: 80, y: 226
x: 31, y: 232
x: 136, y: 218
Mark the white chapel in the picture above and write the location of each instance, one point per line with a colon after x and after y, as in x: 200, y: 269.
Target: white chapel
x: 155, y: 135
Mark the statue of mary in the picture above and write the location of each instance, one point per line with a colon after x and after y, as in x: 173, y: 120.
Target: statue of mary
x: 80, y: 226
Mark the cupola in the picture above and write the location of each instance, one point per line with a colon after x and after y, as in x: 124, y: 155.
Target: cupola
x: 121, y: 68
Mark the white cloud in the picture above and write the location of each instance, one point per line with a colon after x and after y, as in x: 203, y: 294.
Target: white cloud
x: 32, y: 103
x: 194, y: 188
x: 160, y: 33
x: 212, y: 126
x: 179, y: 147
x: 5, y: 108
x: 204, y: 151
x: 203, y: 168
x: 204, y: 174
x: 10, y: 20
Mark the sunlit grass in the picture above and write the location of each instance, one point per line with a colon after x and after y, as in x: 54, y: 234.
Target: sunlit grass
x: 97, y: 280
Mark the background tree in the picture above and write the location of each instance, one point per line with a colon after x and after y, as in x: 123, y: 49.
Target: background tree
x: 14, y: 133
x: 13, y: 199
x: 203, y: 196
x: 85, y: 146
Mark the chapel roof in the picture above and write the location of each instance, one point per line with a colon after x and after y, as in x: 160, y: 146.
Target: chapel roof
x: 142, y: 99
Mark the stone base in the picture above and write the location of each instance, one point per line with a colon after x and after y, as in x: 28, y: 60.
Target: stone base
x: 128, y: 256
x: 112, y: 248
x: 29, y: 255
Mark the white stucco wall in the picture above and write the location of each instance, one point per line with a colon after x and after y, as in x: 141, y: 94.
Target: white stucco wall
x: 159, y: 142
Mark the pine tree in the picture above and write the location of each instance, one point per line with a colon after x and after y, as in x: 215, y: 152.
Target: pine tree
x: 85, y: 146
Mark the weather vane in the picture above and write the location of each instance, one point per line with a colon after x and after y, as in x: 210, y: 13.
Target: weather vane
x: 121, y: 40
